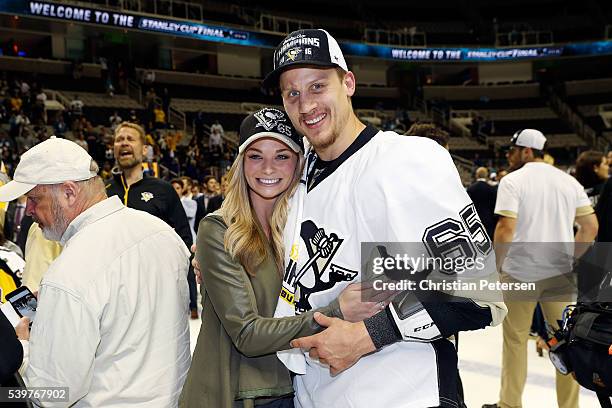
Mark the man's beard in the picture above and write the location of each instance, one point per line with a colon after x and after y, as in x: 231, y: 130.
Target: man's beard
x: 319, y: 145
x: 129, y: 163
x: 54, y: 232
x: 516, y: 166
x: 329, y: 138
x: 324, y: 142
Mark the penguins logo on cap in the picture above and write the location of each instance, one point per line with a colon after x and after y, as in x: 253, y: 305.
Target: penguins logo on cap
x: 269, y: 118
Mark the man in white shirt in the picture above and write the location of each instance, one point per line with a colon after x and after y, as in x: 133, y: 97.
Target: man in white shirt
x: 538, y: 205
x: 110, y: 323
x: 182, y: 186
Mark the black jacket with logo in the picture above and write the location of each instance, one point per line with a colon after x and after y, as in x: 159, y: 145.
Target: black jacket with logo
x: 155, y: 196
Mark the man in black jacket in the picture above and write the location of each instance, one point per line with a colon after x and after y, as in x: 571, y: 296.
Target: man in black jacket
x: 207, y: 202
x: 484, y: 196
x: 145, y: 193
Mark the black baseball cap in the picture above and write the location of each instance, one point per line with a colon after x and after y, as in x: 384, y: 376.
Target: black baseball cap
x: 273, y: 123
x: 305, y: 47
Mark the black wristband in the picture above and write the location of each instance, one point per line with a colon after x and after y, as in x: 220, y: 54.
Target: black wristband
x: 382, y: 330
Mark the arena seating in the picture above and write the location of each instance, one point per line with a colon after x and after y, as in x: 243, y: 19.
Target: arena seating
x: 504, y: 109
x: 593, y: 99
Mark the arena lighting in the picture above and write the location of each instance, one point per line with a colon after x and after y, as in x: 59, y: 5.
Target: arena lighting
x: 217, y: 33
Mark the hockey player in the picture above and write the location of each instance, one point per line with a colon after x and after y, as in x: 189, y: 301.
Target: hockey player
x: 364, y: 185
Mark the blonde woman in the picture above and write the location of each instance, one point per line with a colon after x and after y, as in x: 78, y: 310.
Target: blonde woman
x: 241, y: 252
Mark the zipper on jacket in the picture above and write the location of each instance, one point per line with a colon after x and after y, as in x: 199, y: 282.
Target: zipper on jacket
x: 126, y: 189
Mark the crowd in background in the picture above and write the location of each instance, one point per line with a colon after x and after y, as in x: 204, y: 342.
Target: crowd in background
x: 25, y: 121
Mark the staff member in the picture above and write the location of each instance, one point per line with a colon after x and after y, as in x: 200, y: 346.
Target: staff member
x: 146, y: 193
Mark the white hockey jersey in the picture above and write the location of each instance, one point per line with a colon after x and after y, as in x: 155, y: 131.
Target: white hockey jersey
x: 384, y: 188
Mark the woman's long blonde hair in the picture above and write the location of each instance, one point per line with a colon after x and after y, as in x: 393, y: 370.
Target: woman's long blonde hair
x: 245, y: 239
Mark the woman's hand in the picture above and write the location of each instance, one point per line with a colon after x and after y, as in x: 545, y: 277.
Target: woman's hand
x: 358, y: 301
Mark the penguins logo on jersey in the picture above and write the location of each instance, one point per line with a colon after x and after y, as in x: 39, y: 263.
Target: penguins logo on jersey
x: 269, y: 118
x: 146, y: 196
x: 319, y: 273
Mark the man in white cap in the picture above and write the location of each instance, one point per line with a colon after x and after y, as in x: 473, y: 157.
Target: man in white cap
x: 538, y: 205
x: 110, y: 322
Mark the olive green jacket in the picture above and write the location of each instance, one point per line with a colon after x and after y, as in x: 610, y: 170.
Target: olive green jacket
x: 235, y: 358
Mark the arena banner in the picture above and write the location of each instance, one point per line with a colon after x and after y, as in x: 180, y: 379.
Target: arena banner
x: 135, y: 21
x: 217, y: 33
x: 451, y: 54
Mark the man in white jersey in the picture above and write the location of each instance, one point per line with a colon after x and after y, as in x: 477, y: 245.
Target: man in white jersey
x: 538, y: 205
x: 352, y: 194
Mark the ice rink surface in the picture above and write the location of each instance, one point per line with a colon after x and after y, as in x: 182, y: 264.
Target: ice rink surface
x: 480, y: 366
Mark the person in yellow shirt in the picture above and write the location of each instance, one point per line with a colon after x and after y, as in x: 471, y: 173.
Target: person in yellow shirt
x: 160, y: 117
x: 149, y: 140
x: 39, y: 253
x: 16, y: 104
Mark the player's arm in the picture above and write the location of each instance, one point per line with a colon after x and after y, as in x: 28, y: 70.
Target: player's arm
x: 419, y: 316
x: 410, y: 319
x: 426, y: 317
x: 343, y: 343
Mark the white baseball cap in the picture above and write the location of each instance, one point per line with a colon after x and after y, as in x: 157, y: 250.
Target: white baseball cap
x: 51, y: 162
x: 529, y: 138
